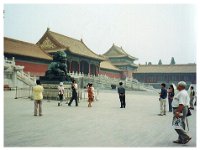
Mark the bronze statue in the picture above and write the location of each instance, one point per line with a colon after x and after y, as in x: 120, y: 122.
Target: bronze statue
x: 57, y: 70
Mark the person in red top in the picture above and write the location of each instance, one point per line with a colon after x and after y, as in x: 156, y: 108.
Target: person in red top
x: 90, y: 94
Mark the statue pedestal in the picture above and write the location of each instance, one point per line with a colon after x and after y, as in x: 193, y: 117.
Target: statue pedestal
x: 51, y: 91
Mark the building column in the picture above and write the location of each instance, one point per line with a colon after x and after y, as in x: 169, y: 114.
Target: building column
x: 79, y: 66
x: 70, y: 66
x: 83, y: 68
x: 89, y: 68
x: 97, y: 70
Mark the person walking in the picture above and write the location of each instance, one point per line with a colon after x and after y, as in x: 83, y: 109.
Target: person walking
x: 180, y: 105
x: 163, y: 96
x: 121, y: 92
x: 61, y: 91
x: 38, y: 96
x: 74, y: 88
x: 170, y: 97
x: 90, y: 94
x: 192, y: 95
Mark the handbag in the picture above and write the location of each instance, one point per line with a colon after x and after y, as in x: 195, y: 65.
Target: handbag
x: 189, y: 113
x: 177, y: 123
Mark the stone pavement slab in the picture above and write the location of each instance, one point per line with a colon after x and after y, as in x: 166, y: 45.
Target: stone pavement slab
x: 103, y: 125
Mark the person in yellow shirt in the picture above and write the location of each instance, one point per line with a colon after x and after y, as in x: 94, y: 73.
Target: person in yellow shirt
x: 38, y: 96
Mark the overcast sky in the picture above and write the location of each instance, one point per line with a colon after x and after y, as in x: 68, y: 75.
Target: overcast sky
x: 148, y: 32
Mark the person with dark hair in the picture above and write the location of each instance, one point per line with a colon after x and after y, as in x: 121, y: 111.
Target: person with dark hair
x: 121, y: 92
x: 170, y: 97
x: 163, y: 96
x: 90, y: 94
x: 38, y: 96
x: 192, y: 95
x: 74, y: 88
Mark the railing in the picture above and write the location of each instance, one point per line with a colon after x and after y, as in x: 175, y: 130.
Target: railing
x: 16, y: 72
x: 52, y: 94
x: 102, y: 81
x: 12, y: 62
x: 22, y: 92
x: 26, y: 78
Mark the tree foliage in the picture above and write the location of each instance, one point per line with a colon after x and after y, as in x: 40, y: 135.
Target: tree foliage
x: 172, y: 61
x: 160, y: 62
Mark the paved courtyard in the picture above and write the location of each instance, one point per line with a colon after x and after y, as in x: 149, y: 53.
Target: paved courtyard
x: 103, y: 125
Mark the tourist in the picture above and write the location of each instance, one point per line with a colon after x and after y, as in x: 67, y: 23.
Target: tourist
x: 90, y: 94
x: 163, y: 96
x: 170, y: 97
x: 121, y: 92
x: 180, y: 106
x: 74, y: 88
x: 192, y: 95
x: 61, y: 91
x: 38, y: 96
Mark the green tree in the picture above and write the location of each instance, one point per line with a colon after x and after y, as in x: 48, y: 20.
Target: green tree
x: 172, y: 61
x: 160, y: 62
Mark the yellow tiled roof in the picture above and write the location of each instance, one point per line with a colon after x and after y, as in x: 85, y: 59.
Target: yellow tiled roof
x: 124, y: 64
x: 108, y: 65
x: 13, y: 46
x: 117, y: 52
x: 73, y: 45
x: 179, y: 68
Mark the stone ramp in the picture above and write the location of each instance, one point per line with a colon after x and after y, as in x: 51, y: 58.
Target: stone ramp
x: 103, y: 125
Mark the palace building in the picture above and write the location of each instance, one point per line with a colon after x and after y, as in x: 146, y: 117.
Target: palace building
x: 123, y: 61
x: 34, y: 60
x: 156, y: 74
x: 80, y: 57
x: 36, y: 57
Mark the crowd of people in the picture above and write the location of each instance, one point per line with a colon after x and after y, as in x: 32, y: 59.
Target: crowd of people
x: 38, y: 96
x: 180, y: 103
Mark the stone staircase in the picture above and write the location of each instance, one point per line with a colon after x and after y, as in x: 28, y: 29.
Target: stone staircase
x: 105, y: 82
x: 15, y: 76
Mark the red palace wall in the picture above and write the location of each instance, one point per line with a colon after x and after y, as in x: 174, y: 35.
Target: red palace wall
x: 35, y: 69
x: 127, y: 73
x: 110, y: 74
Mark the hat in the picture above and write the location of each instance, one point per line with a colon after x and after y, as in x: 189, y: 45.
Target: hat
x: 182, y: 83
x: 61, y: 83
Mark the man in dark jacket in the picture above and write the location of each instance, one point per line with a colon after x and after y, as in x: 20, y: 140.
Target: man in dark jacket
x: 121, y: 92
x: 74, y: 93
x: 163, y: 96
